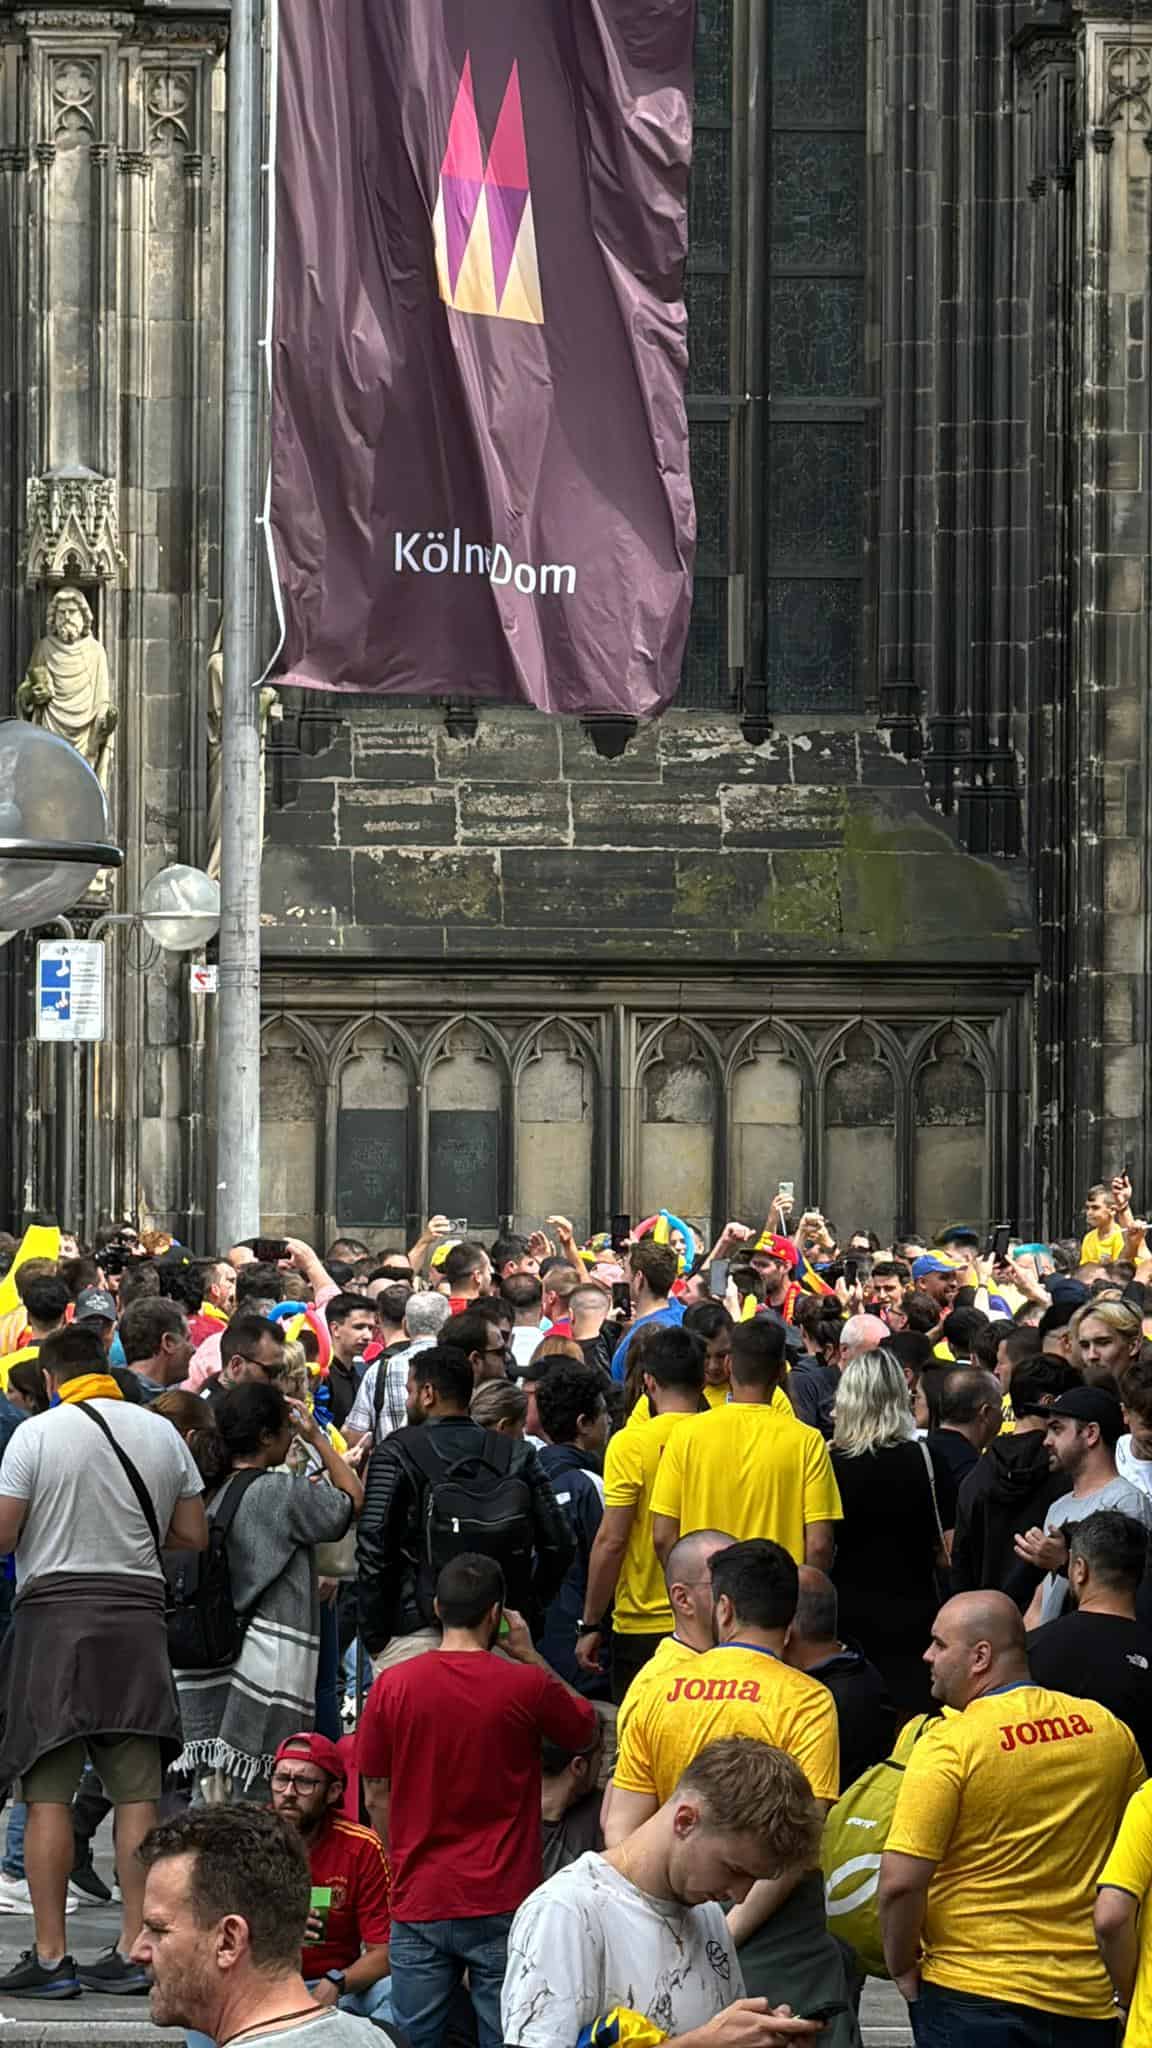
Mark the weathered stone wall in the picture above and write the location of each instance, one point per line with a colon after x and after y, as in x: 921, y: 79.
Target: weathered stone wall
x: 386, y: 836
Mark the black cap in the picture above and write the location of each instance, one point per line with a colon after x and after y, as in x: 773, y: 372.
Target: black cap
x: 1093, y: 1404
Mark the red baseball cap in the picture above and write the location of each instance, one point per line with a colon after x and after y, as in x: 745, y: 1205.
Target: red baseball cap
x: 777, y: 1248
x: 317, y: 1749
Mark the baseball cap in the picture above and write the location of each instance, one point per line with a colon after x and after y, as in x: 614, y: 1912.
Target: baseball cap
x: 1093, y: 1404
x: 932, y: 1262
x: 958, y: 1233
x: 777, y: 1248
x: 317, y: 1749
x: 1062, y: 1287
x: 95, y: 1303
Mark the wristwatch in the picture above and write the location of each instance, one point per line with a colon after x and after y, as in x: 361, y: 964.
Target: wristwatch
x: 336, y: 1977
x: 587, y: 1628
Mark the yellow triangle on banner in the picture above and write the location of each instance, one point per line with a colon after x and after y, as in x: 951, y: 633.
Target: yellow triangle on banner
x: 475, y: 290
x: 521, y: 300
x: 440, y: 241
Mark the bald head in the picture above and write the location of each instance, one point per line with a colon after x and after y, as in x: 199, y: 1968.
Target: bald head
x: 977, y: 1644
x: 688, y: 1559
x: 689, y: 1584
x: 861, y: 1334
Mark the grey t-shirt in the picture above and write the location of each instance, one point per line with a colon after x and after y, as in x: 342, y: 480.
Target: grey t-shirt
x: 331, y: 2029
x: 82, y: 1513
x: 1119, y: 1495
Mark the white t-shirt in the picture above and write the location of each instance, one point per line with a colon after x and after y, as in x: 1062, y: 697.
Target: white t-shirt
x: 525, y: 1342
x: 588, y: 1940
x: 82, y: 1513
x: 1137, y: 1471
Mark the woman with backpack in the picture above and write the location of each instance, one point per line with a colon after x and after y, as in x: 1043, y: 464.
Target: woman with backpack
x: 236, y: 1716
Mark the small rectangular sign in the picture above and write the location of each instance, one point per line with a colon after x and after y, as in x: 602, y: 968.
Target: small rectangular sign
x: 70, y: 990
x: 202, y: 980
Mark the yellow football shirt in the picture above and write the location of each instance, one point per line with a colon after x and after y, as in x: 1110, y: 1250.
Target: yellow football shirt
x: 630, y: 1466
x: 1097, y: 1250
x: 1017, y: 1801
x: 675, y: 1710
x: 751, y: 1470
x: 716, y: 1397
x: 1129, y: 1869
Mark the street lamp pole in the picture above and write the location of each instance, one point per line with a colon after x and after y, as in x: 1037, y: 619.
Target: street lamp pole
x: 237, y: 1134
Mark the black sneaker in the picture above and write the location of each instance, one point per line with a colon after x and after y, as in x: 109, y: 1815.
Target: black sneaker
x: 87, y: 1886
x: 30, y: 1978
x: 114, y: 1974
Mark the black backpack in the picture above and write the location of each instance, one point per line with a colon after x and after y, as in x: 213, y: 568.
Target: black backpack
x: 473, y: 1503
x: 204, y: 1630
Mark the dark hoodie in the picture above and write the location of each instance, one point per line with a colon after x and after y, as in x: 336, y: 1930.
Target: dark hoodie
x: 1008, y: 1491
x: 574, y: 1476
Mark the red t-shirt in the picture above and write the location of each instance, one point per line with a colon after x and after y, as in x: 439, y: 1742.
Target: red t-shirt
x: 457, y: 1735
x: 351, y: 1859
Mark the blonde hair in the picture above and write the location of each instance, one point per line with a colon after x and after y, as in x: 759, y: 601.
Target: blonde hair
x: 293, y: 1377
x: 749, y: 1788
x: 1122, y: 1318
x: 497, y: 1401
x: 872, y: 1408
x: 556, y: 1347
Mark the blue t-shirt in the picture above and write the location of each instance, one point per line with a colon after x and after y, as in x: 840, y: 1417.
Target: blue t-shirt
x: 674, y: 1313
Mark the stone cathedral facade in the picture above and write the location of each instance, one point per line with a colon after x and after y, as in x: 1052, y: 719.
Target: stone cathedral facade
x: 868, y: 909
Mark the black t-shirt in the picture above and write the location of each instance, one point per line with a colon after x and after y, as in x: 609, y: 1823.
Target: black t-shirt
x: 1099, y: 1657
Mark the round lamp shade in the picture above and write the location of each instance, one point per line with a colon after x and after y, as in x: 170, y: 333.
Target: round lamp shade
x: 180, y: 908
x: 53, y: 826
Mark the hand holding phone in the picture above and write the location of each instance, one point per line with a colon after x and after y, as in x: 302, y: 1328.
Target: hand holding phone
x: 718, y: 1278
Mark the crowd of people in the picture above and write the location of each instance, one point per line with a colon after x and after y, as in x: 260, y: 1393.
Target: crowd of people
x: 485, y: 1643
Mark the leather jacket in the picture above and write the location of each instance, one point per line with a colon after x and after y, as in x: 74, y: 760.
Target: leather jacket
x: 390, y: 1530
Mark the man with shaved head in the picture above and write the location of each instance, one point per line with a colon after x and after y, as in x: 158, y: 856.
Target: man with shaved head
x: 1007, y: 1811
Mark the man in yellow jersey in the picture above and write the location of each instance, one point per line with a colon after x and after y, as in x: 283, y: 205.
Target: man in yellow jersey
x: 744, y: 1688
x: 1104, y: 1211
x: 1123, y: 1922
x: 741, y: 1687
x: 750, y: 1466
x: 1006, y: 1814
x: 623, y: 1560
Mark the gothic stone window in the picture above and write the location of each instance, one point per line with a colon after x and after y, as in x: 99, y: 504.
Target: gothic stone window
x: 778, y: 410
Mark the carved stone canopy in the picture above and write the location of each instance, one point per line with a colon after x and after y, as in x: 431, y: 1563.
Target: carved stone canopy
x: 73, y: 528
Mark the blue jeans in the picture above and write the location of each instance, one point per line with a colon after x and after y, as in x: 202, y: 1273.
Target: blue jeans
x: 429, y: 1958
x: 373, y: 2004
x: 13, y: 1862
x: 962, y: 2019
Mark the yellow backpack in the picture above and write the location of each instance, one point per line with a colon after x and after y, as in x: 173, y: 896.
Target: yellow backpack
x: 855, y: 1834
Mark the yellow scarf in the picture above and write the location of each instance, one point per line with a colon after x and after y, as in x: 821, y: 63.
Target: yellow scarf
x: 91, y: 1386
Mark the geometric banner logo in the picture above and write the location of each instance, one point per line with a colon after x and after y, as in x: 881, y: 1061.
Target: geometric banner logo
x: 485, y: 240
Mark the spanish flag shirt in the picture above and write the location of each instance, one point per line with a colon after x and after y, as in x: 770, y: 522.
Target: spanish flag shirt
x: 1017, y: 1801
x: 677, y: 1707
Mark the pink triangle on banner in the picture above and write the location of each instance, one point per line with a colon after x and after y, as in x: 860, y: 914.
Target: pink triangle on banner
x: 508, y: 158
x: 463, y: 157
x: 460, y: 196
x: 505, y: 211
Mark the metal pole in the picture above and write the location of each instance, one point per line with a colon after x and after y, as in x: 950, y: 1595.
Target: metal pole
x: 237, y: 1134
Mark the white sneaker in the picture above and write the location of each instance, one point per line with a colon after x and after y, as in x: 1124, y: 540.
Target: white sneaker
x: 15, y: 1896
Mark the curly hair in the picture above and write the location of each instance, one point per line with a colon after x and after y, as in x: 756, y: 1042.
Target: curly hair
x: 248, y: 1861
x: 749, y: 1788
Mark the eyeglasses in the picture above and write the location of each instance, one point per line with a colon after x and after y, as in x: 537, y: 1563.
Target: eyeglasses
x: 287, y: 1781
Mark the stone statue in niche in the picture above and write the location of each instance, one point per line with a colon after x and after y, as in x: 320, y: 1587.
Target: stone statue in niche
x: 67, y: 688
x: 269, y: 707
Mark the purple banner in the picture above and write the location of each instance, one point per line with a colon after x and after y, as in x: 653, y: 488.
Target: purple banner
x: 480, y: 479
